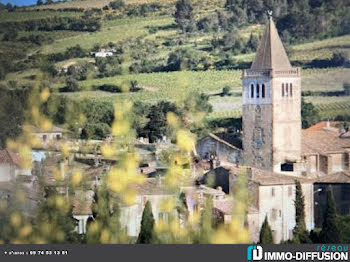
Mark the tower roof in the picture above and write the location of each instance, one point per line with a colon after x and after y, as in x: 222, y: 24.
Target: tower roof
x: 271, y: 53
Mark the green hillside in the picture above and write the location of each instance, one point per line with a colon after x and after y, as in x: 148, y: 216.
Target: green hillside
x: 166, y: 63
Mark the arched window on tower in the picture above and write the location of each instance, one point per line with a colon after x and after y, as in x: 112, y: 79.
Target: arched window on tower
x: 282, y: 90
x: 263, y: 91
x: 286, y: 89
x: 257, y: 91
x: 291, y: 89
x: 252, y: 91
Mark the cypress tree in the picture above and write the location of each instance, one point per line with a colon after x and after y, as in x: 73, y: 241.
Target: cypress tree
x: 300, y: 233
x: 206, y: 223
x: 266, y: 233
x: 330, y: 232
x: 184, y: 17
x: 147, y: 235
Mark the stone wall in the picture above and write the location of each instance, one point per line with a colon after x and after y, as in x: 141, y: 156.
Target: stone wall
x: 277, y: 203
x: 7, y: 172
x: 257, y: 124
x: 224, y: 153
x: 272, y: 124
x: 286, y: 123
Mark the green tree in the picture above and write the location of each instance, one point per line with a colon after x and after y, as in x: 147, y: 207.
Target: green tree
x: 39, y: 2
x: 184, y: 17
x: 346, y: 87
x: 55, y: 211
x: 197, y: 102
x: 48, y: 66
x: 309, y: 114
x: 265, y: 233
x: 10, y: 35
x: 252, y: 44
x: 157, y: 126
x: 117, y: 5
x: 105, y: 226
x: 206, y: 230
x: 187, y: 59
x: 238, y: 12
x: 147, y: 234
x: 226, y: 91
x: 340, y: 58
x: 13, y: 103
x: 300, y: 233
x: 99, y: 116
x: 344, y: 223
x: 72, y: 84
x: 255, y: 11
x: 330, y: 232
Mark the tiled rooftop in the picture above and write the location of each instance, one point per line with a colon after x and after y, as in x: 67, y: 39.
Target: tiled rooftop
x: 8, y: 157
x: 324, y: 140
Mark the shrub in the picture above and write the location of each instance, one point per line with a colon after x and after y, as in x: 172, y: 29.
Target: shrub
x: 226, y: 91
x: 339, y: 58
x: 10, y: 35
x: 346, y: 87
x: 108, y: 88
x: 187, y: 59
x: 184, y: 17
x: 134, y: 86
x: 117, y: 4
x: 71, y: 85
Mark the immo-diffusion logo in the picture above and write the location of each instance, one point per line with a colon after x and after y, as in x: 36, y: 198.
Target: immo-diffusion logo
x: 322, y: 253
x: 255, y: 253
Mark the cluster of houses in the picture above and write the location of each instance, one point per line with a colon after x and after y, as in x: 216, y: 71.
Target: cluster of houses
x: 272, y: 151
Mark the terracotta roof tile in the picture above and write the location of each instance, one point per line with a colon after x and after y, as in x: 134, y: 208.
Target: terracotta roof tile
x: 339, y: 177
x: 82, y: 203
x: 54, y: 129
x: 323, y: 124
x: 153, y: 186
x: 7, y: 157
x: 324, y: 141
x: 265, y: 178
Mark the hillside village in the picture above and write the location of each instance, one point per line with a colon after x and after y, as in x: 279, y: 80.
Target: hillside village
x: 271, y: 148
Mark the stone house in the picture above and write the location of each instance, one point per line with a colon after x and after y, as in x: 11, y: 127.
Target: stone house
x: 270, y: 195
x: 104, y: 53
x: 10, y: 166
x: 154, y: 191
x: 48, y: 136
x: 82, y: 203
x: 26, y: 185
x: 223, y: 146
x: 325, y: 150
x: 274, y: 197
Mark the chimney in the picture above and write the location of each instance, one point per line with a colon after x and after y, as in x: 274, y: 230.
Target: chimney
x: 159, y: 180
x: 249, y: 172
x: 212, y: 161
x: 62, y: 170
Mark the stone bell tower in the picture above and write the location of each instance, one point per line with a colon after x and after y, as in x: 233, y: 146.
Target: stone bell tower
x: 272, y: 108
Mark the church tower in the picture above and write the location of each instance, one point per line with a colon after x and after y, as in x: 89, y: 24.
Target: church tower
x: 272, y: 108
